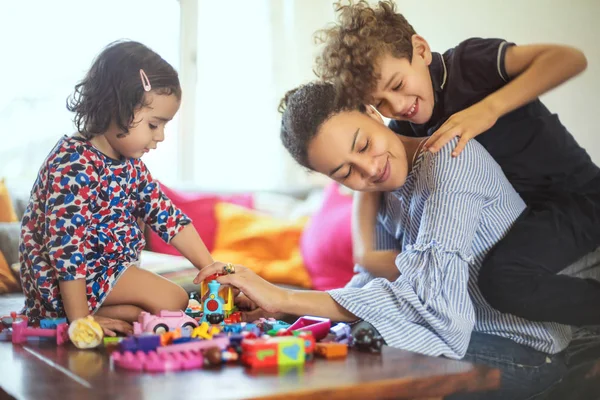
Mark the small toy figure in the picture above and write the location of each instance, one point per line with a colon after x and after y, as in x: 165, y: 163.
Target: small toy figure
x: 213, y: 305
x: 213, y: 356
x: 165, y: 321
x: 225, y: 292
x: 205, y: 331
x: 194, y: 308
x: 86, y: 333
x: 365, y: 339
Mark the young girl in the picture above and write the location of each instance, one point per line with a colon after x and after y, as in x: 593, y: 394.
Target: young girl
x: 82, y: 235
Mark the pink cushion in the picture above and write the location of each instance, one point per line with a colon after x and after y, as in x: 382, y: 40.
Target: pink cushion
x: 201, y: 209
x: 326, y: 242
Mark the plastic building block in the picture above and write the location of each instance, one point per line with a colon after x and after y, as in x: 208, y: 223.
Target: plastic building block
x: 165, y: 321
x: 342, y: 333
x: 158, y: 362
x: 331, y: 350
x: 51, y: 323
x: 7, y: 321
x: 20, y: 332
x: 195, y: 345
x: 205, y: 331
x: 277, y: 351
x: 317, y: 325
x: 309, y: 342
x: 225, y: 292
x: 213, y: 305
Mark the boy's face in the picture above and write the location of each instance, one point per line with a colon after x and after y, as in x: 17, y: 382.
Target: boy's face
x: 404, y: 90
x: 360, y: 152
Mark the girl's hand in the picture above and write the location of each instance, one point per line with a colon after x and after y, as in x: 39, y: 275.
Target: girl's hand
x: 262, y: 293
x: 217, y: 264
x: 112, y: 326
x: 466, y: 124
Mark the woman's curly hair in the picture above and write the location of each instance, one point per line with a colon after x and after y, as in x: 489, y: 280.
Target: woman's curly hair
x: 353, y: 46
x: 112, y: 89
x: 304, y: 110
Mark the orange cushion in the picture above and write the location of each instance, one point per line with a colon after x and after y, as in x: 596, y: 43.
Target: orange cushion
x: 267, y: 245
x: 8, y: 283
x: 7, y: 211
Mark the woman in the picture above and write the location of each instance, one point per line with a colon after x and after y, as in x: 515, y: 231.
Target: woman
x: 446, y: 213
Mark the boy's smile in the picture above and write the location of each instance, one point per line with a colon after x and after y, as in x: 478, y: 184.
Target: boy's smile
x: 403, y: 90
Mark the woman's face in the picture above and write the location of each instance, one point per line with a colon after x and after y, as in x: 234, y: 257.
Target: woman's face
x: 357, y: 150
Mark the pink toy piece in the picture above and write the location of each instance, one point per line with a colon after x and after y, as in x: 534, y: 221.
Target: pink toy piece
x: 20, y: 332
x: 195, y: 345
x: 317, y: 325
x: 165, y: 321
x: 154, y: 362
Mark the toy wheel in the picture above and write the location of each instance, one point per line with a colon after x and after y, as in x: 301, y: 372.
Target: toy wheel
x: 188, y: 325
x: 159, y: 329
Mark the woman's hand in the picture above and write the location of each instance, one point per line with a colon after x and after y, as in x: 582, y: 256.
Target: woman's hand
x: 261, y: 293
x: 112, y: 326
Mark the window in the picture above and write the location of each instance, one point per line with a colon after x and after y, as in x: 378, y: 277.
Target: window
x: 46, y: 51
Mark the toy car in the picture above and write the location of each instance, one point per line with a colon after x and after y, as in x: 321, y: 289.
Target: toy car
x: 164, y: 322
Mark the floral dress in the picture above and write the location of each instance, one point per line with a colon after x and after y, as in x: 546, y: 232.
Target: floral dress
x: 81, y: 223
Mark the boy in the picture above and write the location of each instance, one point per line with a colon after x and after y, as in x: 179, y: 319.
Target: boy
x: 485, y: 89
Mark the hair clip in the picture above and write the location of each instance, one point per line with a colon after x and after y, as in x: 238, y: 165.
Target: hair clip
x: 145, y: 81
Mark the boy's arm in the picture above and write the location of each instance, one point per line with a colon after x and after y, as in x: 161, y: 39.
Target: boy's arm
x: 380, y: 263
x: 536, y: 69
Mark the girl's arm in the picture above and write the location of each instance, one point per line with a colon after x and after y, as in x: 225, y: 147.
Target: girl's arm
x: 168, y: 221
x: 535, y: 70
x: 74, y: 298
x: 191, y: 246
x: 380, y: 263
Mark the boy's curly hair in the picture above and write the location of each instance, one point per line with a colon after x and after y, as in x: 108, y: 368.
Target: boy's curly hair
x: 112, y: 89
x: 354, y: 45
x: 304, y: 110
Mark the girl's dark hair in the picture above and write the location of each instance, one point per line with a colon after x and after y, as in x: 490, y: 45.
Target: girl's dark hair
x: 113, y: 90
x: 304, y: 110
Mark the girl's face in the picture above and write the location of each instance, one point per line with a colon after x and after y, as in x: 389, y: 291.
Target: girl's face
x: 404, y: 90
x: 147, y: 130
x: 357, y: 150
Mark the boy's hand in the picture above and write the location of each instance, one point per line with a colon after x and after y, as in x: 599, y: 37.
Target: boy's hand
x: 466, y: 124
